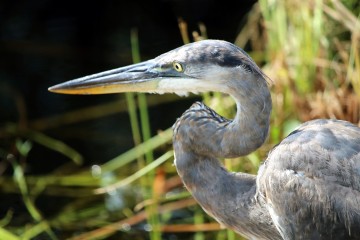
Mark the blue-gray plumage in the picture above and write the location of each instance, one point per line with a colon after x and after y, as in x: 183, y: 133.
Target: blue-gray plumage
x: 308, y: 187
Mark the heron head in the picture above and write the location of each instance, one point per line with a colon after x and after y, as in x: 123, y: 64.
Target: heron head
x: 203, y: 66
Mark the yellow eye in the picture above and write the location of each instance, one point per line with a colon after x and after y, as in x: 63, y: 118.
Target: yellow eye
x: 178, y: 67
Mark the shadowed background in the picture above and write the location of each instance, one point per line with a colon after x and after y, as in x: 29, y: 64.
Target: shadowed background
x: 43, y: 43
x: 47, y: 42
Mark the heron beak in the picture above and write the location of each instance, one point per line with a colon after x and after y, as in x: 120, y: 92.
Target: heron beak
x: 140, y: 77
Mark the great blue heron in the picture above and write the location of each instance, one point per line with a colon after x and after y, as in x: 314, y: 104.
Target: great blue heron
x: 309, y: 185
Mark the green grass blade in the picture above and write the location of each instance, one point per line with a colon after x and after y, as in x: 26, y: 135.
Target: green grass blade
x: 148, y: 168
x: 29, y: 203
x: 137, y: 151
x: 35, y: 230
x: 7, y: 235
x: 151, y: 210
x: 46, y: 141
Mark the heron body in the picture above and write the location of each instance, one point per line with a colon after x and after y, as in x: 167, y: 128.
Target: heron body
x: 309, y: 185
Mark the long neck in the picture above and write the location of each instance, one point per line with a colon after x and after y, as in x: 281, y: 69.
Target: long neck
x: 249, y: 129
x: 201, y: 136
x: 227, y: 197
x: 206, y: 133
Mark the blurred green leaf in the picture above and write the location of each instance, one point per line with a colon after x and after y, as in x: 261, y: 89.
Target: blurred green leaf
x: 6, y: 235
x: 46, y: 141
x: 23, y: 147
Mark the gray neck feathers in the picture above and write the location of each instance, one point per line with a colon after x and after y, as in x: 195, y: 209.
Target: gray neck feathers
x: 201, y: 136
x: 206, y: 133
x: 249, y: 129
